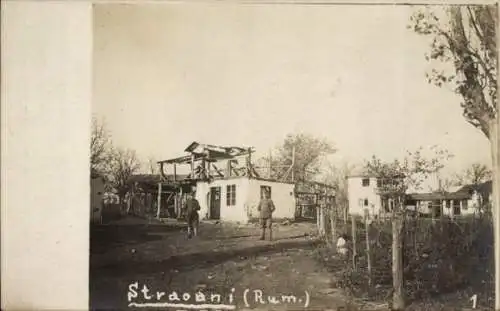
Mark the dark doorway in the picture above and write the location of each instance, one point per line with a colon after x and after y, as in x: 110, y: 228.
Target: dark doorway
x: 456, y: 208
x: 214, y: 203
x: 437, y: 207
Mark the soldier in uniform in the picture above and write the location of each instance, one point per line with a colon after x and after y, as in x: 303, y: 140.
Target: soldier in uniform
x: 192, y: 218
x: 266, y: 208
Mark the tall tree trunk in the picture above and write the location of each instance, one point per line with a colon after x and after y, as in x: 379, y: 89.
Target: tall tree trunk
x: 495, y: 153
x: 398, y: 302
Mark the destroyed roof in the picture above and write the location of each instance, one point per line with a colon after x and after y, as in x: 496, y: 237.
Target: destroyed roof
x: 184, y: 159
x: 210, y: 153
x: 153, y: 178
x: 232, y: 150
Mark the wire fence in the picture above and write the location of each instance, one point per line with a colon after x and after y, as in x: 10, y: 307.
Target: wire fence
x: 439, y: 256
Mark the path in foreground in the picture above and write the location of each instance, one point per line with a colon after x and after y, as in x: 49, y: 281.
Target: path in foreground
x: 226, y: 257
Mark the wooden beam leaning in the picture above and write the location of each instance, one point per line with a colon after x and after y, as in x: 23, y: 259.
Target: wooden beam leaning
x: 159, y: 201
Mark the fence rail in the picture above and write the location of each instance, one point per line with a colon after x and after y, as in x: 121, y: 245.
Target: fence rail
x: 439, y: 256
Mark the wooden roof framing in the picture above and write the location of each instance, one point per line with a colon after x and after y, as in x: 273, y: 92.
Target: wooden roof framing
x: 186, y: 159
x: 209, y: 153
x: 231, y: 150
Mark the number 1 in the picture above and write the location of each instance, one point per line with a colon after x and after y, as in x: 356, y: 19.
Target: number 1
x: 474, y: 301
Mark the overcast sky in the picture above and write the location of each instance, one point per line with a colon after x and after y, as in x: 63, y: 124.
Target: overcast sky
x: 169, y: 74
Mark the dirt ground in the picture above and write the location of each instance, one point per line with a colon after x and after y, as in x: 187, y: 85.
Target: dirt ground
x: 223, y: 257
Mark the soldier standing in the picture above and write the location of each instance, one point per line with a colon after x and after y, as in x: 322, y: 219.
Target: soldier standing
x: 192, y: 208
x: 266, y: 208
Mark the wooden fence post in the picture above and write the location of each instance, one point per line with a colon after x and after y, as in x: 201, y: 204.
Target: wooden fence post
x: 368, y: 254
x: 129, y: 203
x: 176, y: 205
x: 354, y: 249
x: 398, y: 302
x: 318, y: 215
x: 159, y: 201
x: 320, y: 220
x: 333, y: 223
x: 323, y: 219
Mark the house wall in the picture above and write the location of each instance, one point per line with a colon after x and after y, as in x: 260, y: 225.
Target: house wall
x: 471, y: 207
x: 282, y: 195
x: 425, y: 207
x: 202, y: 189
x: 467, y: 208
x: 247, y: 198
x: 96, y: 199
x: 227, y: 213
x: 356, y: 192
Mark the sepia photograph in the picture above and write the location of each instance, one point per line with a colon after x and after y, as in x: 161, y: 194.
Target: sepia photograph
x: 293, y: 156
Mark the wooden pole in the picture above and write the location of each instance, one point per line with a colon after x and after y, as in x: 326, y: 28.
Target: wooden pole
x: 249, y: 164
x: 159, y: 201
x: 179, y: 213
x: 192, y: 166
x: 270, y: 173
x: 319, y: 214
x: 317, y: 219
x: 345, y: 213
x: 368, y: 254
x: 354, y: 249
x: 333, y: 223
x: 228, y: 168
x: 323, y: 220
x: 129, y: 203
x: 175, y: 172
x: 293, y: 164
x: 398, y: 302
x: 176, y: 203
x: 202, y: 171
x: 433, y: 208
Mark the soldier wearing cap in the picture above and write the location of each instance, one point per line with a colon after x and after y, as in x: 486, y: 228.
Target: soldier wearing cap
x: 192, y: 208
x: 266, y: 208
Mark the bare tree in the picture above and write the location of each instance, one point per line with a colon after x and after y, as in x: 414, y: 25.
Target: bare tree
x: 337, y: 177
x: 124, y: 164
x: 100, y: 146
x: 153, y: 166
x: 308, y: 153
x: 476, y: 174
